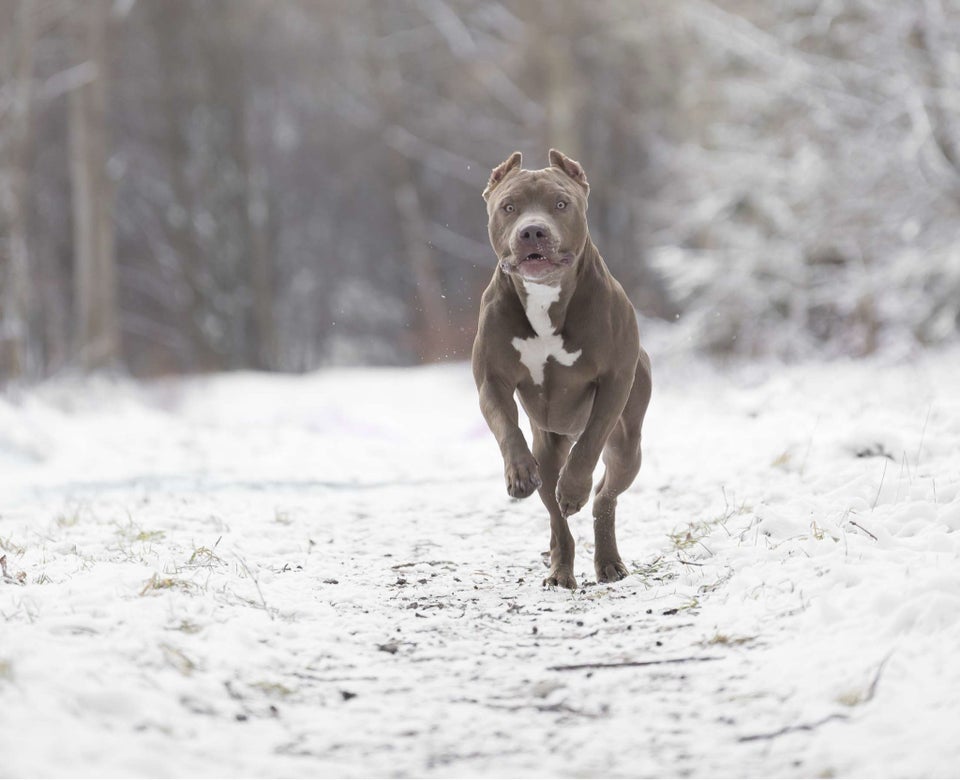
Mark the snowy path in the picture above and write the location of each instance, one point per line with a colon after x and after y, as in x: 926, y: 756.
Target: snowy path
x: 254, y: 575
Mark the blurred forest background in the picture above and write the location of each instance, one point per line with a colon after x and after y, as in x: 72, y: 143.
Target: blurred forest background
x: 198, y: 185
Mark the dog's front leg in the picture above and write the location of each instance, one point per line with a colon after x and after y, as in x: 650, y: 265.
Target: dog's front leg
x: 520, y: 468
x: 551, y: 450
x: 576, y: 476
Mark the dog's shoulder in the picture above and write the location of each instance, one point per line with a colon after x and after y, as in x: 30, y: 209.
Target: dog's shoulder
x: 501, y: 317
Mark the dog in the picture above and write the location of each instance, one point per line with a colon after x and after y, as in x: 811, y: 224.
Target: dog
x: 558, y: 331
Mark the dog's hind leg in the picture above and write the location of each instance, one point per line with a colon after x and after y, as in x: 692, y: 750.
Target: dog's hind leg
x: 550, y: 450
x: 621, y: 457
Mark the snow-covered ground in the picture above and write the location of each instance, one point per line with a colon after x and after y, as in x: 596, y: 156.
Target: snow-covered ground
x: 323, y: 575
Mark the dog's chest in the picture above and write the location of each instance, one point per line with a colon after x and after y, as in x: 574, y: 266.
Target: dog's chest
x: 547, y: 343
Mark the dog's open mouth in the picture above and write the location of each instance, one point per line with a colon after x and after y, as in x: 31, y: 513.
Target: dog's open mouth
x: 536, y: 264
x: 538, y: 259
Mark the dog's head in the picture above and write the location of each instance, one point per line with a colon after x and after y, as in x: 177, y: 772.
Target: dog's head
x: 538, y: 219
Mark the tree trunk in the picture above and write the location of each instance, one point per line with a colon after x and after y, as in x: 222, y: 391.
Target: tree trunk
x: 433, y: 337
x: 257, y: 273
x: 432, y: 329
x: 98, y: 329
x: 14, y: 266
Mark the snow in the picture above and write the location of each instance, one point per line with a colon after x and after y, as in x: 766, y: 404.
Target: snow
x: 323, y: 575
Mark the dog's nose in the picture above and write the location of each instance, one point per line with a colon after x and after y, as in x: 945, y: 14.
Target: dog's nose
x: 533, y: 232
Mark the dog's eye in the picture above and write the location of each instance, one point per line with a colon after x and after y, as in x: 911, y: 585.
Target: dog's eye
x: 508, y: 207
x: 561, y: 204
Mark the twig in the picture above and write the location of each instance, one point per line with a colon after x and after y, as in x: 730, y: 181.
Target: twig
x: 880, y: 486
x: 923, y: 433
x: 855, y: 524
x: 256, y: 582
x: 791, y: 729
x: 316, y: 678
x: 626, y: 664
x: 556, y: 707
x: 872, y: 690
x: 422, y: 563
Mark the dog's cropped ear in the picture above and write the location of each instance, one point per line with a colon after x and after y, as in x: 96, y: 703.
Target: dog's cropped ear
x: 501, y: 172
x: 572, y: 168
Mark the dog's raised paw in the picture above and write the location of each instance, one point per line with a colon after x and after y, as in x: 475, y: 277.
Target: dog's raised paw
x: 611, y: 571
x: 572, y: 493
x: 560, y: 577
x: 569, y: 506
x: 522, y: 477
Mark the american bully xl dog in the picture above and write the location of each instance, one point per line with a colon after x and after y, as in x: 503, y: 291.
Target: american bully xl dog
x: 557, y: 330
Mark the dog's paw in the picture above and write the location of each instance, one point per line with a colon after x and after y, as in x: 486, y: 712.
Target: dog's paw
x: 572, y: 492
x: 522, y: 476
x: 610, y: 570
x: 560, y: 577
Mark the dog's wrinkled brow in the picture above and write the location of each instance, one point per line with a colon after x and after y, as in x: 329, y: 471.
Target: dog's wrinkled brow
x: 534, y: 189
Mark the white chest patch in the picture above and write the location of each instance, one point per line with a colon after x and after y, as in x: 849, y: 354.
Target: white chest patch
x: 547, y: 343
